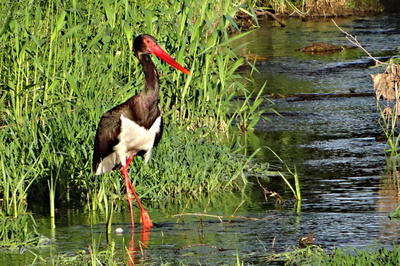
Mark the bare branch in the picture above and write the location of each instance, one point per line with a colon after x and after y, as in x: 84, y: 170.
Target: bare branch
x: 354, y: 41
x: 220, y: 217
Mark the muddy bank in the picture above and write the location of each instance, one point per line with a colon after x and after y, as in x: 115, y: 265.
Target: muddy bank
x: 335, y: 8
x: 312, y: 9
x: 317, y: 8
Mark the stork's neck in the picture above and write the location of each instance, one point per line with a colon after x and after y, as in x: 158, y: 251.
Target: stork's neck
x: 150, y: 74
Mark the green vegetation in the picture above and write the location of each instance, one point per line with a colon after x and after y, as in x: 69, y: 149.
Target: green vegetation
x: 296, y: 189
x: 387, y: 100
x: 64, y: 63
x: 315, y: 255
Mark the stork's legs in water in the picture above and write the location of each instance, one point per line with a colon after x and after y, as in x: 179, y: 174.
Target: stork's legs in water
x: 144, y: 215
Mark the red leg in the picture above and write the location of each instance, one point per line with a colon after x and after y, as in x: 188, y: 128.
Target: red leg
x: 124, y: 171
x: 144, y: 215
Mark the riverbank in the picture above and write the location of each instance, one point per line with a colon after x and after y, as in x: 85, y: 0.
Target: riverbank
x: 320, y: 8
x: 309, y: 9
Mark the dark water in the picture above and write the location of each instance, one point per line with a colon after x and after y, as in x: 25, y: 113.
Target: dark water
x: 346, y: 194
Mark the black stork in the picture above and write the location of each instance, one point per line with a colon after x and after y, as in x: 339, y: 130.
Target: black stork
x: 135, y: 126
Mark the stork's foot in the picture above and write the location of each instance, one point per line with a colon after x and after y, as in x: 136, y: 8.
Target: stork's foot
x: 145, y: 219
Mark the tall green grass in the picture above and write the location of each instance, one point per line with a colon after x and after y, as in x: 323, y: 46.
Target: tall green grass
x: 64, y: 63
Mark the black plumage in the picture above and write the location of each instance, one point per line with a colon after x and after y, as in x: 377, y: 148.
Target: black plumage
x: 135, y: 126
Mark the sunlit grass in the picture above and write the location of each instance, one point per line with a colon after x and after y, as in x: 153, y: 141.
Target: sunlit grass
x: 65, y: 63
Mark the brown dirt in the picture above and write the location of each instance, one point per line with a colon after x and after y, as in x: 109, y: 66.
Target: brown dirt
x: 311, y: 8
x: 322, y: 8
x: 336, y: 8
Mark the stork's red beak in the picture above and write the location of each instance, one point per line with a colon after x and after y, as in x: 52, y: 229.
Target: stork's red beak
x: 160, y: 53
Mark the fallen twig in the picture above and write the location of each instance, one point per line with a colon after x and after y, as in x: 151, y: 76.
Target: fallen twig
x: 266, y: 12
x: 216, y: 216
x: 278, y: 199
x: 353, y: 40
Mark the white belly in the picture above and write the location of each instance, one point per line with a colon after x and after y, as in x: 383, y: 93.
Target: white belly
x: 132, y: 139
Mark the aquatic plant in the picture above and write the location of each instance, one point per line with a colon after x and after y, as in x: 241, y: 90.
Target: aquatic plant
x: 296, y: 190
x: 18, y: 233
x: 316, y: 255
x: 386, y: 88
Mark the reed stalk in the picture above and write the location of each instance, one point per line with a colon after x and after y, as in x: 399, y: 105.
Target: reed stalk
x: 52, y: 201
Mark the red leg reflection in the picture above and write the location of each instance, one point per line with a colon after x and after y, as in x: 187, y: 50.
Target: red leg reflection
x: 132, y: 248
x: 145, y: 236
x: 144, y: 241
